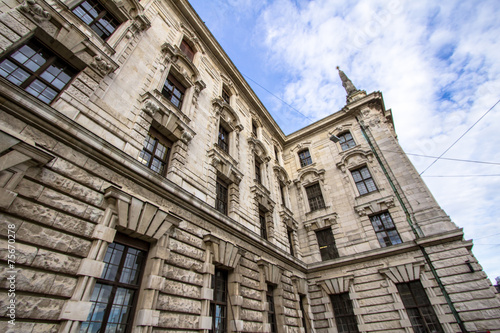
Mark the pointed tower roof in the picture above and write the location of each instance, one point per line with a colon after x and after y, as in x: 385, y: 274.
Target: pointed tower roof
x: 346, y: 83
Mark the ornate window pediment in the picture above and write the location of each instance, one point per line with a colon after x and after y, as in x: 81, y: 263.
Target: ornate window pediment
x: 189, y: 75
x: 353, y: 158
x: 404, y: 272
x: 224, y: 253
x: 375, y: 206
x: 272, y: 273
x: 225, y: 166
x: 227, y: 114
x: 336, y: 285
x: 310, y: 176
x: 321, y: 222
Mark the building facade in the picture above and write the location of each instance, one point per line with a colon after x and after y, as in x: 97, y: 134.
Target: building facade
x: 145, y: 188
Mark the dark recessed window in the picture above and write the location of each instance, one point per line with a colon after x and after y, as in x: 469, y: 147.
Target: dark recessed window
x: 37, y: 70
x: 258, y: 174
x: 364, y: 181
x: 344, y: 314
x: 326, y: 243
x: 289, y: 233
x: 218, y: 306
x: 276, y: 153
x: 187, y: 50
x: 282, y: 192
x: 221, y: 199
x: 115, y: 293
x: 305, y: 158
x: 225, y: 95
x: 315, y: 197
x: 223, y: 141
x: 263, y: 225
x: 254, y: 128
x: 419, y: 309
x: 97, y: 18
x: 156, y: 152
x: 173, y: 90
x: 346, y: 141
x: 302, y: 300
x: 385, y: 229
x: 271, y: 313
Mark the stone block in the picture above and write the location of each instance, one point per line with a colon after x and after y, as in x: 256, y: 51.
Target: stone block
x: 75, y: 310
x: 63, y: 286
x: 6, y: 198
x: 104, y: 233
x: 74, y: 225
x: 147, y: 317
x: 36, y: 234
x: 25, y: 254
x: 91, y: 267
x: 181, y: 289
x: 155, y: 282
x: 56, y: 262
x: 180, y: 321
x: 178, y: 304
x: 207, y: 293
x: 63, y: 202
x: 33, y: 211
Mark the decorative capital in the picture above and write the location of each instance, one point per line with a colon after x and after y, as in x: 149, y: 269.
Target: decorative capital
x: 32, y: 8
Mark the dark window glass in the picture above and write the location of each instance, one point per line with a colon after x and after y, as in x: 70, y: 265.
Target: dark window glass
x: 225, y: 95
x: 263, y: 226
x: 271, y: 314
x: 254, y: 129
x: 385, y: 229
x: 305, y: 158
x: 276, y: 153
x: 173, y: 91
x: 258, y: 175
x: 422, y: 316
x: 221, y: 196
x: 344, y: 314
x: 97, y: 18
x: 315, y: 197
x: 218, y: 307
x: 187, y: 50
x: 115, y: 294
x: 363, y: 180
x: 155, y: 152
x: 37, y: 70
x: 346, y: 141
x: 223, y: 139
x: 290, y: 240
x: 326, y: 244
x: 282, y: 192
x: 302, y: 309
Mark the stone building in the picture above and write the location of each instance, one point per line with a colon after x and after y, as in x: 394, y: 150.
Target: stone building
x: 145, y: 188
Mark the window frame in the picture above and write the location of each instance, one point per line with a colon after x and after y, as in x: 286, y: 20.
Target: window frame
x: 263, y: 224
x: 187, y: 50
x: 103, y: 13
x: 304, y: 159
x: 214, y: 303
x: 289, y: 232
x: 271, y: 311
x: 52, y: 59
x: 327, y: 250
x: 223, y: 138
x: 364, y: 182
x: 387, y: 240
x: 169, y: 93
x: 158, y: 139
x: 343, y: 312
x: 226, y: 96
x: 315, y: 197
x: 345, y: 143
x: 303, y: 310
x: 258, y: 171
x: 128, y: 243
x: 417, y: 307
x: 221, y: 196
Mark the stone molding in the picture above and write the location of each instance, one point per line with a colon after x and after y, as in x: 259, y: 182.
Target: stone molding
x: 404, y: 272
x: 225, y: 166
x: 35, y: 10
x: 336, y: 285
x: 227, y: 114
x: 224, y: 253
x: 353, y: 158
x: 272, y: 273
x: 321, y: 222
x: 375, y: 206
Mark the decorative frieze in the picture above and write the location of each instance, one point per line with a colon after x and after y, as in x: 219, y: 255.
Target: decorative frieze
x: 35, y: 10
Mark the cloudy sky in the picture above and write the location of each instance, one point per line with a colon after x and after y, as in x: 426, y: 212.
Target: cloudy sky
x: 437, y: 66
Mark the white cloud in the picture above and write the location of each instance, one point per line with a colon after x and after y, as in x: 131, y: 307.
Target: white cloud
x: 437, y: 66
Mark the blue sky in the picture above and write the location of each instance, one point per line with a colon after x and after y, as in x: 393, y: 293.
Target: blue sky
x: 436, y: 64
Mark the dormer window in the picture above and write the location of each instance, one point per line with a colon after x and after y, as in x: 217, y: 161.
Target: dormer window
x: 94, y: 14
x: 187, y: 50
x: 173, y: 90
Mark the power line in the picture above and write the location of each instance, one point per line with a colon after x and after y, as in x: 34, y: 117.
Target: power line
x: 460, y: 137
x: 461, y: 176
x: 498, y: 233
x: 291, y: 107
x: 444, y: 158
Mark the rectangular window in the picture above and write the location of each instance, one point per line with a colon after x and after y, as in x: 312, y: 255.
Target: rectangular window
x: 315, y: 197
x: 115, y: 293
x: 97, y: 18
x: 282, y: 192
x: 187, y: 50
x: 326, y: 244
x: 221, y: 199
x: 254, y: 129
x: 344, y: 314
x: 263, y: 225
x: 225, y: 96
x: 223, y: 139
x: 346, y: 141
x: 258, y: 175
x: 385, y: 229
x: 305, y: 158
x: 289, y: 232
x: 37, y: 70
x: 419, y: 309
x: 363, y: 180
x: 271, y: 313
x: 174, y: 91
x: 218, y: 306
x: 303, y: 311
x: 156, y: 152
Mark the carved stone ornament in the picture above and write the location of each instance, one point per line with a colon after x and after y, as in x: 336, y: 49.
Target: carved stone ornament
x: 150, y: 107
x: 198, y: 87
x: 32, y: 8
x: 101, y: 65
x: 186, y: 137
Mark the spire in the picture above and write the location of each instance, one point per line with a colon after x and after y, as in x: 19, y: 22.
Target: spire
x: 346, y: 83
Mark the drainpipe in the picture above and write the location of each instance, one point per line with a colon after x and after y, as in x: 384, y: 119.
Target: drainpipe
x: 415, y: 228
